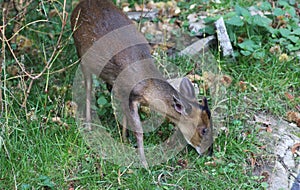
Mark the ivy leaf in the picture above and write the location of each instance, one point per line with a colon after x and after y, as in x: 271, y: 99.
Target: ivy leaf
x: 235, y: 21
x: 284, y: 32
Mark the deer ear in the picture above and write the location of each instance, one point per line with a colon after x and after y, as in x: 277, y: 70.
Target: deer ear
x: 205, y: 107
x: 181, y: 106
x: 187, y: 89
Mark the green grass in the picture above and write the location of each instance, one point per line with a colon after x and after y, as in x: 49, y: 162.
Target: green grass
x: 39, y: 153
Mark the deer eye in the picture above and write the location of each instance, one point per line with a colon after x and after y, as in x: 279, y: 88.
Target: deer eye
x: 204, y: 131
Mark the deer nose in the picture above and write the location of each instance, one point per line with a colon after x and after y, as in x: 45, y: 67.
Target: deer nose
x: 198, y: 149
x: 209, y: 151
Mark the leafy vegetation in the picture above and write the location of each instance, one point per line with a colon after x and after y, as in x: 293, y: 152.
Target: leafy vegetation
x: 42, y: 148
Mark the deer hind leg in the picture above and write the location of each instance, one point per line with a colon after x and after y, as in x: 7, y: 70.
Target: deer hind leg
x: 124, y: 129
x: 138, y: 131
x: 88, y: 89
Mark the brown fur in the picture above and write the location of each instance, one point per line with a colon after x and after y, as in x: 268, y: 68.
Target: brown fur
x: 93, y: 19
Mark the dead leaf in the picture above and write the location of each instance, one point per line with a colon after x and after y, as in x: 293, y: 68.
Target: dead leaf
x: 192, y: 17
x: 269, y: 129
x: 240, y: 39
x: 262, y: 120
x: 23, y: 43
x: 129, y: 171
x: 53, y: 13
x: 298, y: 107
x: 138, y: 7
x: 275, y: 49
x: 58, y: 121
x: 125, y: 7
x: 289, y: 96
x: 182, y: 163
x: 13, y: 70
x: 266, y: 176
x: 194, y: 77
x: 210, y: 163
x: 242, y: 85
x: 71, y: 108
x: 295, y: 148
x: 226, y: 80
x: 294, y: 117
x: 283, y: 57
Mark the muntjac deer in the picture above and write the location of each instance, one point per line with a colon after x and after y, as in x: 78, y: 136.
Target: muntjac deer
x: 110, y: 46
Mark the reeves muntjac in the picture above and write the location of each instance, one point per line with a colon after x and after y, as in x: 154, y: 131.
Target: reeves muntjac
x: 110, y: 46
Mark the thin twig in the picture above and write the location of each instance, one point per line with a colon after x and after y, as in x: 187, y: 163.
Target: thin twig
x: 4, y: 127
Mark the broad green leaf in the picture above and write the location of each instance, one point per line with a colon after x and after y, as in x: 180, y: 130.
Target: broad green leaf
x: 259, y: 55
x: 261, y: 21
x: 265, y: 185
x: 229, y: 15
x: 291, y: 11
x: 292, y: 2
x: 246, y: 53
x: 265, y: 6
x: 296, y: 31
x: 208, y: 30
x: 278, y: 12
x: 284, y: 32
x: 291, y: 47
x: 209, y: 20
x: 242, y: 11
x: 293, y: 38
x: 283, y: 3
x: 102, y: 100
x: 248, y: 45
x: 235, y: 21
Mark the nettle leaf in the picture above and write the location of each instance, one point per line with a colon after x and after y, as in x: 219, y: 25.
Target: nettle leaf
x: 291, y: 11
x: 273, y: 31
x: 209, y: 20
x: 284, y: 32
x: 248, y: 45
x: 235, y: 21
x: 208, y: 30
x: 293, y: 38
x: 242, y: 11
x: 265, y: 6
x: 231, y: 34
x: 278, y: 12
x: 102, y: 100
x: 283, y: 3
x: 259, y: 55
x: 292, y: 47
x: 229, y: 15
x: 284, y: 41
x: 296, y: 32
x: 292, y: 2
x: 262, y: 21
x: 246, y: 53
